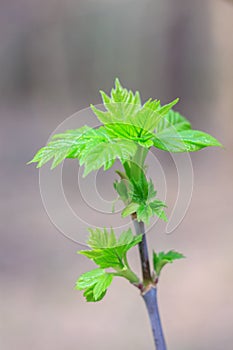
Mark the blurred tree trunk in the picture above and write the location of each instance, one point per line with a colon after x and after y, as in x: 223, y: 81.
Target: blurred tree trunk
x: 188, y: 50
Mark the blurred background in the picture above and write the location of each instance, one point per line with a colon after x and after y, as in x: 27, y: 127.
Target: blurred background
x: 54, y: 58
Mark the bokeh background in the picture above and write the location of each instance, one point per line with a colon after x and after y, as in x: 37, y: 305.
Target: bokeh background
x: 54, y: 57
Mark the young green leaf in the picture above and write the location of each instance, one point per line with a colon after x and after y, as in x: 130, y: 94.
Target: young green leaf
x: 119, y: 106
x: 88, y: 294
x: 71, y: 144
x: 94, y: 283
x: 148, y: 117
x: 130, y: 209
x: 93, y: 147
x: 62, y: 146
x: 108, y: 251
x: 89, y: 279
x: 173, y: 120
x: 157, y: 207
x: 164, y: 110
x: 127, y: 240
x: 101, y: 238
x: 122, y: 189
x: 102, y: 285
x: 129, y: 131
x: 141, y: 195
x: 162, y: 258
x: 144, y: 213
x: 104, y: 257
x: 175, y: 134
x: 151, y: 190
x: 184, y: 140
x: 126, y: 118
x: 138, y: 191
x: 104, y: 154
x: 138, y: 185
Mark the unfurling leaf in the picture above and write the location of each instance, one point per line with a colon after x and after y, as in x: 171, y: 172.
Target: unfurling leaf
x: 157, y: 207
x: 175, y: 134
x: 94, y: 283
x: 122, y: 189
x: 146, y: 211
x: 126, y: 118
x: 161, y: 259
x: 108, y: 251
x: 130, y: 209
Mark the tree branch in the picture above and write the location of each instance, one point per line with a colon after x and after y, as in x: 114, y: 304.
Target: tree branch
x: 149, y: 290
x: 150, y: 298
x: 143, y: 250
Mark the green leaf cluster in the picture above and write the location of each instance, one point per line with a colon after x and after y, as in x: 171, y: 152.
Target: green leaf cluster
x: 146, y: 210
x: 127, y: 124
x: 125, y: 117
x: 93, y: 147
x: 107, y: 251
x: 128, y: 130
x: 138, y: 194
x: 162, y: 258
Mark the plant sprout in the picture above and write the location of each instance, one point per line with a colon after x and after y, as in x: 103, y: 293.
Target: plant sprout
x: 129, y: 129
